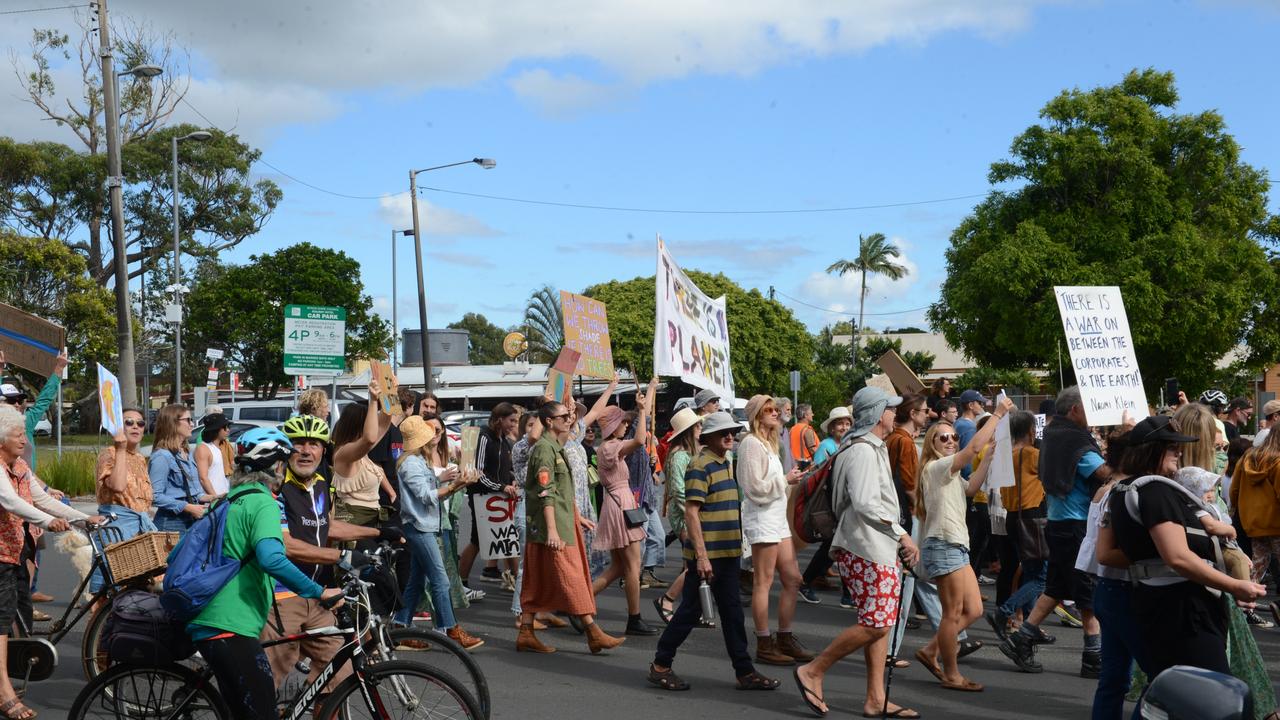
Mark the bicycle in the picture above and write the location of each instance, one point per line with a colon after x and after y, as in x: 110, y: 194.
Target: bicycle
x: 143, y: 691
x: 34, y: 659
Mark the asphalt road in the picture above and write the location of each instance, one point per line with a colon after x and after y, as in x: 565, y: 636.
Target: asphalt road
x: 573, y: 683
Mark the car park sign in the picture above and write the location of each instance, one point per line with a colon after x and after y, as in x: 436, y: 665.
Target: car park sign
x: 315, y: 339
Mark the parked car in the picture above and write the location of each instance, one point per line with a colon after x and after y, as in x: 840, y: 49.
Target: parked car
x: 44, y: 428
x: 456, y: 420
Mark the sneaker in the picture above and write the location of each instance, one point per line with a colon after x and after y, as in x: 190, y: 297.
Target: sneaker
x: 490, y: 575
x: 1019, y: 648
x: 1090, y: 665
x: 1069, y: 615
x: 464, y: 638
x: 652, y: 580
x: 808, y: 595
x: 999, y: 623
x: 473, y: 595
x: 984, y: 580
x: 508, y: 581
x: 846, y: 601
x: 1257, y: 620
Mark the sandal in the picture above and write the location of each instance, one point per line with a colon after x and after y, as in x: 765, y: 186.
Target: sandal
x: 930, y: 664
x: 756, y: 681
x: 15, y: 710
x: 667, y: 679
x: 966, y: 685
x: 806, y: 694
x: 905, y: 713
x: 664, y: 614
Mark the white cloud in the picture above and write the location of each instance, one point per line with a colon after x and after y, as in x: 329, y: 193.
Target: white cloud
x: 397, y: 211
x: 560, y: 95
x: 749, y: 253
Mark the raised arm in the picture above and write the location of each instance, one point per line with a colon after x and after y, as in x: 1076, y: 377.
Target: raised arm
x: 642, y: 423
x: 964, y: 457
x: 601, y: 403
x: 375, y: 426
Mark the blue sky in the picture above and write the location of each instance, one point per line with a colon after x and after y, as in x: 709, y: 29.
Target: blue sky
x: 697, y: 106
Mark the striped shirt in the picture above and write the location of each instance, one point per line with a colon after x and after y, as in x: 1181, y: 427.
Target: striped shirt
x: 709, y: 482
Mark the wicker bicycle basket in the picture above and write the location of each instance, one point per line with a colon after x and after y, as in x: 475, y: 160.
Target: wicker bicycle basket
x: 143, y: 554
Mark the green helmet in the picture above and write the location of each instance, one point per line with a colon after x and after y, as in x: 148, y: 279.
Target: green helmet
x: 306, y: 427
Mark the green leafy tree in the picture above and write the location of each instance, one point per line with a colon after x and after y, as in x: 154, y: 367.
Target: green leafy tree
x: 485, y: 339
x: 765, y: 340
x: 46, y: 188
x: 876, y: 256
x: 919, y: 362
x: 986, y: 379
x: 1114, y: 188
x: 544, y: 318
x: 240, y: 309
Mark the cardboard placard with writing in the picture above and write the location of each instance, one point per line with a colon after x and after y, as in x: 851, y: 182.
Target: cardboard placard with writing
x: 388, y: 388
x: 495, y: 516
x: 900, y: 374
x: 109, y: 401
x: 30, y: 342
x: 883, y: 382
x: 1102, y: 354
x: 470, y: 439
x: 586, y: 329
x: 560, y: 374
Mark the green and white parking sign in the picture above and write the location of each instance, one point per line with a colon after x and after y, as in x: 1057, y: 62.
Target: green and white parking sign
x: 315, y: 340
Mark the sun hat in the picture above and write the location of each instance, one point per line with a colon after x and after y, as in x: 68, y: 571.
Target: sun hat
x: 684, y: 420
x: 719, y: 422
x: 837, y: 413
x: 1155, y: 428
x: 1271, y: 408
x: 610, y: 419
x: 703, y: 397
x: 755, y: 405
x: 417, y: 432
x: 868, y: 405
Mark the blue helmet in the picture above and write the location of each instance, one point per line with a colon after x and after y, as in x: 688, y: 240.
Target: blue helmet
x: 259, y: 449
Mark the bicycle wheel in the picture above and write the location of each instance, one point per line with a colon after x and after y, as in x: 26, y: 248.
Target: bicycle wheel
x: 441, y: 652
x: 400, y: 689
x: 139, y: 692
x: 93, y: 653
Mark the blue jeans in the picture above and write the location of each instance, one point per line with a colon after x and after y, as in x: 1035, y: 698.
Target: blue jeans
x: 169, y: 521
x: 1024, y: 598
x: 655, y: 541
x: 1121, y: 646
x: 426, y: 566
x: 130, y: 523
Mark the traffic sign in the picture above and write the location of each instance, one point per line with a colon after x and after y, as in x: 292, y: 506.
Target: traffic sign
x: 315, y: 340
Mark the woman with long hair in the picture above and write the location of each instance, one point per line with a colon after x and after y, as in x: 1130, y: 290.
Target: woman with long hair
x: 123, y: 487
x: 683, y: 444
x: 1197, y: 421
x: 213, y: 455
x: 175, y: 480
x: 356, y: 478
x: 765, y: 528
x: 944, y: 557
x: 613, y: 532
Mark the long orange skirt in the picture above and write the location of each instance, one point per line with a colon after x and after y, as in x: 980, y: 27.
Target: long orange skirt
x: 557, y: 581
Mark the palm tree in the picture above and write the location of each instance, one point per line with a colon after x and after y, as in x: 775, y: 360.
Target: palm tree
x: 544, y: 319
x: 875, y: 255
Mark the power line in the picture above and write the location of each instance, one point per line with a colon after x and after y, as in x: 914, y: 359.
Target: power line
x: 671, y: 211
x: 44, y: 9
x: 850, y: 314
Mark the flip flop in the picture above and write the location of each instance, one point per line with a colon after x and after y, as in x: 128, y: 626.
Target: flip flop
x: 966, y: 686
x: 806, y: 693
x: 931, y: 665
x: 899, y: 713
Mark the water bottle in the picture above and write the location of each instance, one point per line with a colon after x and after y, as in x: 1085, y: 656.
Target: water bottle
x: 708, y: 602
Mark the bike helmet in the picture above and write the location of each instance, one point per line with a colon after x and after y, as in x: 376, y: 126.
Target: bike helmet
x: 306, y: 427
x: 259, y: 449
x: 1214, y: 398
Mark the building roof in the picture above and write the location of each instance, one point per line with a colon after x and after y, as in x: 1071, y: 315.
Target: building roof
x: 948, y: 362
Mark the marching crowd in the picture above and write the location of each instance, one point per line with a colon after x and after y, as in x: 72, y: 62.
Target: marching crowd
x: 1154, y: 537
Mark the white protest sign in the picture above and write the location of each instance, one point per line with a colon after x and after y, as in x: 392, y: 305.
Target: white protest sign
x: 1040, y: 419
x: 1000, y: 474
x: 691, y: 335
x: 496, y: 525
x: 1101, y: 348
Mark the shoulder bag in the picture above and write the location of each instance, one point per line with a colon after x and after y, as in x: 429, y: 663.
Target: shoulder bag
x: 1029, y: 528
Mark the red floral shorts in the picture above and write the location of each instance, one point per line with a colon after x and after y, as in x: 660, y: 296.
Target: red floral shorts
x: 874, y: 588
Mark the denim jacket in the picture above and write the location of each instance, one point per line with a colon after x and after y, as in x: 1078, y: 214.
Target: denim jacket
x: 175, y: 481
x: 419, y: 494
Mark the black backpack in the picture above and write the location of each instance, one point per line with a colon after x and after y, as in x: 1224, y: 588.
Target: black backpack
x: 140, y: 630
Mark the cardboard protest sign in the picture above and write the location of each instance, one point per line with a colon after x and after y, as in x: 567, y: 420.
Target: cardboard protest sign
x: 586, y: 329
x: 902, y: 376
x: 882, y: 382
x: 28, y: 341
x: 1101, y: 348
x: 496, y: 526
x: 470, y: 439
x: 691, y: 335
x: 1000, y: 474
x: 385, y: 380
x: 560, y: 374
x: 110, y: 402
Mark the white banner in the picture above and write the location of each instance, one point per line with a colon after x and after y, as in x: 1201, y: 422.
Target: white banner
x: 691, y: 336
x: 1102, y: 355
x: 495, y: 516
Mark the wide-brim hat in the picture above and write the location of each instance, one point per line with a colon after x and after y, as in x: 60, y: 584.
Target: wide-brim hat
x: 1156, y: 428
x: 683, y: 420
x: 840, y: 412
x: 214, y: 422
x: 869, y: 404
x: 417, y: 432
x: 719, y: 422
x: 610, y: 419
x: 755, y: 405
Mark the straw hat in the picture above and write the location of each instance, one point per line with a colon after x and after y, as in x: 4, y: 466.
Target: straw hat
x: 683, y: 420
x: 837, y: 413
x: 417, y: 432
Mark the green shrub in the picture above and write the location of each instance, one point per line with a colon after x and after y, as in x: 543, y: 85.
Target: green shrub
x: 72, y: 473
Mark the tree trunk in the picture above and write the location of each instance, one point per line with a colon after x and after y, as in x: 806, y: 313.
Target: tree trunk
x: 857, y: 332
x: 95, y: 238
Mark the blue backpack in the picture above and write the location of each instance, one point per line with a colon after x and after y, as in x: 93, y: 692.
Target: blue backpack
x: 198, y: 569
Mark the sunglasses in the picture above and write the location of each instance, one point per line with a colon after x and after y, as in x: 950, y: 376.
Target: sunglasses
x: 134, y: 423
x: 559, y: 417
x: 187, y: 420
x: 947, y: 437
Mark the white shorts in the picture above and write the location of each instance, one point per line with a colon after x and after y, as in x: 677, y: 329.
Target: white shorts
x: 765, y: 523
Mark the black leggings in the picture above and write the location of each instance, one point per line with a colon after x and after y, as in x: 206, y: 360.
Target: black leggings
x: 819, y: 564
x: 244, y: 676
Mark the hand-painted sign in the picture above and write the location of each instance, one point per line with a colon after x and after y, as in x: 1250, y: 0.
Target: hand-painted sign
x: 691, y: 335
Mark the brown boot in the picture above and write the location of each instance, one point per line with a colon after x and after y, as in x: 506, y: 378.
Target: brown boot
x: 526, y: 641
x: 768, y: 653
x: 788, y: 645
x: 597, y: 640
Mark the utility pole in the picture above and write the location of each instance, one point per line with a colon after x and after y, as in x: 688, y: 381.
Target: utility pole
x: 124, y: 325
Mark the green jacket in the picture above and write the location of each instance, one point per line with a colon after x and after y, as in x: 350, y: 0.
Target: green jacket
x: 549, y: 483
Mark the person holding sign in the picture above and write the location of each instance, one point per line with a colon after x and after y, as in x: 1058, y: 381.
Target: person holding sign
x: 420, y: 504
x: 175, y: 480
x: 124, y: 488
x: 356, y: 478
x: 33, y: 411
x: 618, y: 531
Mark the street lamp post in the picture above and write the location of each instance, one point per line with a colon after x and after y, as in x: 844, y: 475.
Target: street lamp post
x: 395, y: 323
x: 487, y: 164
x: 199, y: 136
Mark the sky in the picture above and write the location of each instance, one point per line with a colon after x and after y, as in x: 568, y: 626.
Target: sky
x: 688, y: 105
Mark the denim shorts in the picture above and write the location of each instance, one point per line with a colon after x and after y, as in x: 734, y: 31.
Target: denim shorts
x: 939, y: 557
